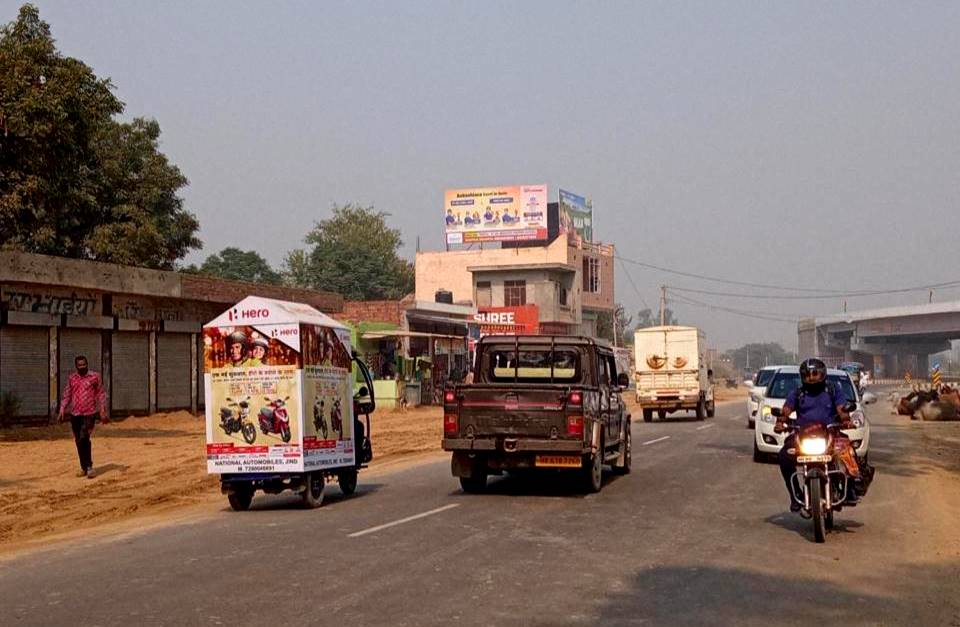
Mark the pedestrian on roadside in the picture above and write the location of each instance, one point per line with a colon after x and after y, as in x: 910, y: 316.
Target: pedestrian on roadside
x: 83, y: 399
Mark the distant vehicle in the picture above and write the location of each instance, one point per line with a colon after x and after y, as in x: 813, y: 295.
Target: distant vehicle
x: 767, y: 443
x: 758, y: 386
x: 671, y: 374
x: 538, y: 402
x: 855, y: 370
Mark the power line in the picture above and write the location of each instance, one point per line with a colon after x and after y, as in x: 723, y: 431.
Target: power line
x: 825, y: 296
x: 759, y: 315
x: 821, y: 293
x: 635, y: 289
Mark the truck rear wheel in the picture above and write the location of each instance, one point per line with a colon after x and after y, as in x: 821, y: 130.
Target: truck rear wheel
x: 593, y: 469
x: 701, y: 410
x: 313, y: 490
x: 622, y: 467
x: 648, y: 415
x: 475, y: 483
x: 348, y: 481
x: 711, y: 409
x: 240, y: 499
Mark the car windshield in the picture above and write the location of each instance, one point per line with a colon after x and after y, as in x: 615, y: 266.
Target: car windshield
x: 786, y: 382
x: 763, y: 378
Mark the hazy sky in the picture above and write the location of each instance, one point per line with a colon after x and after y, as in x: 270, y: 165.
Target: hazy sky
x: 807, y: 144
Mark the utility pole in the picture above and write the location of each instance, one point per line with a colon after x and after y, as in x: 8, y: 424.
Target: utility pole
x: 663, y: 304
x: 930, y: 300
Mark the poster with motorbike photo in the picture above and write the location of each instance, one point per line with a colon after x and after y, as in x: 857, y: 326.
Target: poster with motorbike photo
x: 328, y: 434
x: 253, y: 389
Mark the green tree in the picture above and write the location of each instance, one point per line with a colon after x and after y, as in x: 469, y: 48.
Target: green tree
x: 74, y: 181
x: 238, y: 265
x: 646, y: 318
x: 757, y: 355
x: 353, y: 253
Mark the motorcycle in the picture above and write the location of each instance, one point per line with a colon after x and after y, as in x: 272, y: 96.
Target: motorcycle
x: 336, y: 419
x: 274, y: 418
x: 826, y: 471
x: 319, y: 422
x: 232, y: 420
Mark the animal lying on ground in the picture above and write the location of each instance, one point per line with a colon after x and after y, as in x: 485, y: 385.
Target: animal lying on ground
x: 931, y: 405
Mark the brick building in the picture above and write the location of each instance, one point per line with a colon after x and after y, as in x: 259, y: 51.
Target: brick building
x: 140, y: 328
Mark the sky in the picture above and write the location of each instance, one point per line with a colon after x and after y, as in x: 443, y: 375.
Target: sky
x: 809, y: 145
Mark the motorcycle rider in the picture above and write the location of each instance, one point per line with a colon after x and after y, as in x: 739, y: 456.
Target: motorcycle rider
x: 815, y: 403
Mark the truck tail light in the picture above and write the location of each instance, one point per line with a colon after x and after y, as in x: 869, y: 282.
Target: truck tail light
x: 575, y: 398
x: 575, y: 425
x: 450, y: 424
x: 449, y: 397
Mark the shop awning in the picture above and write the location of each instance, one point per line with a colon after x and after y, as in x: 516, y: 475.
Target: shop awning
x: 381, y: 335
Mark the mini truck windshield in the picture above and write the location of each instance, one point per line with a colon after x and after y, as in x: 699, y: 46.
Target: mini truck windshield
x: 533, y: 364
x: 786, y: 382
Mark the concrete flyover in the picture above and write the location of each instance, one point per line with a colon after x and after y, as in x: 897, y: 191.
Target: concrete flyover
x: 891, y: 340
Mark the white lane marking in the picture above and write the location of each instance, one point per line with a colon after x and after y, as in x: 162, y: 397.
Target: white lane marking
x: 706, y: 427
x: 666, y: 437
x: 357, y: 534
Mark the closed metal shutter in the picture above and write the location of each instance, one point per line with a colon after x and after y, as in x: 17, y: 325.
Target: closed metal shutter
x: 173, y: 371
x: 131, y: 371
x: 25, y: 368
x: 75, y: 342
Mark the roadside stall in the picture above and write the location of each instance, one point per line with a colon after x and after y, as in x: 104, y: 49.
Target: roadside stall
x: 280, y: 405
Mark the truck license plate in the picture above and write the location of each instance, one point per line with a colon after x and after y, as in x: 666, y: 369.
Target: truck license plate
x: 814, y: 459
x: 558, y: 461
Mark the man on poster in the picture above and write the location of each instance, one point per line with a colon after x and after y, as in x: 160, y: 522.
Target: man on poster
x: 83, y: 398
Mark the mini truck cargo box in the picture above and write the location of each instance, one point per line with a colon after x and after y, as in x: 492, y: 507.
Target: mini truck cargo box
x: 278, y: 389
x: 670, y: 371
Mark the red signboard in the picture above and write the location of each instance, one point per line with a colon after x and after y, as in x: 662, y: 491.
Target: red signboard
x: 520, y: 320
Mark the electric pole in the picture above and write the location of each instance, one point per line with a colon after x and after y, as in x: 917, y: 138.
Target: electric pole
x: 663, y: 304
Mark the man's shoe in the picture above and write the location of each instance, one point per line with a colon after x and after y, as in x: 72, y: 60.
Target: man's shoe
x: 91, y: 473
x: 794, y: 506
x: 82, y: 473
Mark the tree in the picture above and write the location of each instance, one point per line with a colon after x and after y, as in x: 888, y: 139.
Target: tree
x: 754, y: 356
x: 646, y: 318
x: 238, y: 265
x: 353, y: 253
x: 74, y: 181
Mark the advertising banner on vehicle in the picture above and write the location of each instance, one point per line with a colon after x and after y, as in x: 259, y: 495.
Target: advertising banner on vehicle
x: 278, y: 389
x: 576, y: 217
x: 519, y: 320
x: 495, y: 214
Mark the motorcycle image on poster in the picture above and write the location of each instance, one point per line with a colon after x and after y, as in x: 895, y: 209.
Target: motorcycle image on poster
x: 278, y: 387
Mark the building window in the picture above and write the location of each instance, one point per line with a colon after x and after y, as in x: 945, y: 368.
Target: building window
x: 562, y: 295
x: 484, y: 294
x: 591, y: 275
x: 514, y: 293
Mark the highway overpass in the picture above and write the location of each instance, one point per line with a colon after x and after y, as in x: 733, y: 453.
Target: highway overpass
x: 891, y: 340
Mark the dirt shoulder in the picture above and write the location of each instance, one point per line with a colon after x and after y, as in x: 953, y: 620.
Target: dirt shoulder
x: 147, y: 467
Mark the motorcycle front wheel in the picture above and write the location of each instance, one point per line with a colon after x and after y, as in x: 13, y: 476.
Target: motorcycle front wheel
x: 815, y: 488
x: 285, y: 433
x: 249, y: 433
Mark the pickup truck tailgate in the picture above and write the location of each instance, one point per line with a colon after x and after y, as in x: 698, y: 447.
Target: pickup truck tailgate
x: 490, y: 410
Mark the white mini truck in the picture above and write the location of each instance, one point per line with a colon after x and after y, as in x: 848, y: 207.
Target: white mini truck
x: 280, y: 405
x: 671, y: 373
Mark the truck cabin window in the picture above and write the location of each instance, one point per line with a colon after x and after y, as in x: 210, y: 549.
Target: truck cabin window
x: 534, y: 364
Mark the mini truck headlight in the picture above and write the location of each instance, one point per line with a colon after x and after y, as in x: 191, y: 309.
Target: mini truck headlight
x: 813, y: 446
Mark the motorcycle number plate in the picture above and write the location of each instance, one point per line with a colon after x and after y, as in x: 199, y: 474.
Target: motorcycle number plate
x: 557, y: 461
x: 813, y: 459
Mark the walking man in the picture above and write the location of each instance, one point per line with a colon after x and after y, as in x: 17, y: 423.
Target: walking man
x: 83, y: 399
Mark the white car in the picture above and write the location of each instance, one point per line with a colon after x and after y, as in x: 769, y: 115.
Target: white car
x: 758, y: 387
x: 766, y: 443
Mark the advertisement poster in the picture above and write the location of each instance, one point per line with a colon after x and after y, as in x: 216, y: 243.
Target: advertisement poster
x: 328, y: 438
x: 576, y: 217
x: 495, y: 214
x: 252, y: 379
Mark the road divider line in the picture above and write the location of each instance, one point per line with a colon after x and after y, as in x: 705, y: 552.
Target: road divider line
x: 666, y: 437
x: 706, y: 427
x: 357, y: 534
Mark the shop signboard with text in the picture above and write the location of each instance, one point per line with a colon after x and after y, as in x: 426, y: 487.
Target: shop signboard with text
x: 519, y: 320
x: 495, y: 214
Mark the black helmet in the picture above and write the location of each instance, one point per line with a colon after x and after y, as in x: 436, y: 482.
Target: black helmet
x: 813, y: 371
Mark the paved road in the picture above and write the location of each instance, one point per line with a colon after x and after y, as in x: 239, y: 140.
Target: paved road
x: 697, y: 534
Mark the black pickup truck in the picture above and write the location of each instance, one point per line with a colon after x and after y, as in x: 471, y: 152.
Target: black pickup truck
x: 538, y: 401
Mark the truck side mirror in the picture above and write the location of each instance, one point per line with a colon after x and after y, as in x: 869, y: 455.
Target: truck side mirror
x: 623, y: 380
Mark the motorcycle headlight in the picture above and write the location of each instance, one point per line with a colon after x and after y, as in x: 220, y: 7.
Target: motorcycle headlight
x: 813, y: 446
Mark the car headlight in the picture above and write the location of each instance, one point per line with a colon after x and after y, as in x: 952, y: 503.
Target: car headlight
x: 858, y: 419
x: 767, y: 416
x: 813, y: 446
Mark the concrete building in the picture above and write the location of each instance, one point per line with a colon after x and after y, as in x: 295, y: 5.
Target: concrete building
x: 570, y: 285
x: 139, y: 328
